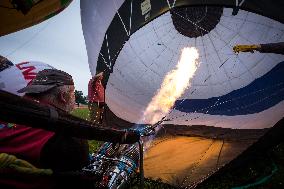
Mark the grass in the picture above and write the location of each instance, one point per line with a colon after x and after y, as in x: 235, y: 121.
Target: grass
x: 84, y: 114
x: 81, y: 113
x: 249, y: 173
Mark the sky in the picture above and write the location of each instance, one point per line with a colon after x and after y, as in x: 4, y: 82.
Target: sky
x: 57, y: 41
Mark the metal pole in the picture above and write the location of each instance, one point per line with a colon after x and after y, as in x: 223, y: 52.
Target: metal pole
x: 141, y: 164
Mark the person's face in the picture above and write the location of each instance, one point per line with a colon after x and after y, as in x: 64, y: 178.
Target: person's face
x: 72, y: 97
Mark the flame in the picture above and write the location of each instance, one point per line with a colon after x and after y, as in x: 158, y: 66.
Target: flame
x: 173, y: 86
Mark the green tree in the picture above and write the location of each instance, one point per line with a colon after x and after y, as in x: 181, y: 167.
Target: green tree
x: 80, y: 98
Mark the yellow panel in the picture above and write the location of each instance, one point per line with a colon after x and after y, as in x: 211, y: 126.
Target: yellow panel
x: 12, y: 20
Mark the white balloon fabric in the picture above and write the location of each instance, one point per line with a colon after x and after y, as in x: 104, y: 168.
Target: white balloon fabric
x: 20, y: 75
x: 229, y: 90
x: 154, y: 50
x: 100, y: 13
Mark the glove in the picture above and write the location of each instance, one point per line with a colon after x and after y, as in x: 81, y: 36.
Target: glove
x: 130, y: 137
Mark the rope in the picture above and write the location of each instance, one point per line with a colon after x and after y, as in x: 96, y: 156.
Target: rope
x: 21, y: 166
x: 29, y: 40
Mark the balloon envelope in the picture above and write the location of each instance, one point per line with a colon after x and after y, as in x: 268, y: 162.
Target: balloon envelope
x: 20, y: 75
x: 231, y: 98
x: 12, y: 20
x: 228, y: 90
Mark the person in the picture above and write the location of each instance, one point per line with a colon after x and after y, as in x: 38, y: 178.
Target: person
x: 42, y: 148
x: 96, y: 97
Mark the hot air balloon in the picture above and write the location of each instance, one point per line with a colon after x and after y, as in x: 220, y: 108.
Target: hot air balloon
x: 20, y: 75
x: 231, y: 96
x: 19, y: 14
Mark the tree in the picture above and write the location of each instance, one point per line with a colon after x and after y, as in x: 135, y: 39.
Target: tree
x: 80, y: 98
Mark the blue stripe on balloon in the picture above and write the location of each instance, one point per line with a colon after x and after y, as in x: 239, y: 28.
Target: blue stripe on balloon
x: 263, y: 93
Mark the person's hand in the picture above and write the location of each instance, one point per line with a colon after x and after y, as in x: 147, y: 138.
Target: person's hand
x: 93, y: 79
x: 130, y: 137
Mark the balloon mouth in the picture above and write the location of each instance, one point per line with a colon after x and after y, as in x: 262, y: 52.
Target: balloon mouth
x: 195, y: 21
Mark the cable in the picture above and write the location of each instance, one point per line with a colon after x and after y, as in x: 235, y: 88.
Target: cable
x: 29, y: 40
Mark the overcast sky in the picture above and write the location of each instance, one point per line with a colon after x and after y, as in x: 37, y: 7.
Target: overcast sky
x: 58, y: 41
